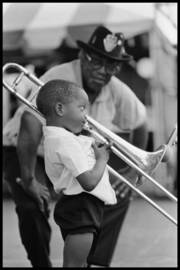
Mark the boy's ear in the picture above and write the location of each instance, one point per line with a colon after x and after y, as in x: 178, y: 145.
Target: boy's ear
x: 59, y: 108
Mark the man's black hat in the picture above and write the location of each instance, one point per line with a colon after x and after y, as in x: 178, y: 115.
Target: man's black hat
x: 106, y: 43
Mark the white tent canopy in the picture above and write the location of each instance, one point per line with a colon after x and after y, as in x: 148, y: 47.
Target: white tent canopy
x: 166, y: 21
x: 44, y: 25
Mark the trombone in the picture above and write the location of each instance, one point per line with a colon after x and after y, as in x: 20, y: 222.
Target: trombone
x: 143, y: 162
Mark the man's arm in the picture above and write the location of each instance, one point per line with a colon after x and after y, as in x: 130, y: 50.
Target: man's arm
x: 29, y: 138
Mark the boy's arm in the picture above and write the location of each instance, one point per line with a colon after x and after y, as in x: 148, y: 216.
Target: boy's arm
x: 89, y: 179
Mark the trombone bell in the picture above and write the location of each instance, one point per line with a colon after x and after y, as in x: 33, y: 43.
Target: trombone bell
x: 146, y: 161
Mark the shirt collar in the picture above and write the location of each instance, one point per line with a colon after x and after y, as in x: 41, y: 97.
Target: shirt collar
x: 104, y: 94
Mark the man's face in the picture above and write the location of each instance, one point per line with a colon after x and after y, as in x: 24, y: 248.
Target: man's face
x: 98, y: 70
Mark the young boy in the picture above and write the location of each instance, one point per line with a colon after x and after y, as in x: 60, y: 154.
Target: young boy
x: 77, y: 168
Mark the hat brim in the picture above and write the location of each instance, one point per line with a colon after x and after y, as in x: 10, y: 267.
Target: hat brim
x: 87, y: 47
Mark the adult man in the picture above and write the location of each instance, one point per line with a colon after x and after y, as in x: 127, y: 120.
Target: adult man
x: 114, y: 105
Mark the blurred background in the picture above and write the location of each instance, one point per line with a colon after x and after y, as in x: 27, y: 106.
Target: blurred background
x: 41, y: 35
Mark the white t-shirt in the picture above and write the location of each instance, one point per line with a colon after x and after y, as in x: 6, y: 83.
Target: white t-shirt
x: 66, y: 157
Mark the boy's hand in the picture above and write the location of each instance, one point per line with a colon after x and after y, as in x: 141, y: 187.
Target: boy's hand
x: 38, y: 191
x: 102, y: 151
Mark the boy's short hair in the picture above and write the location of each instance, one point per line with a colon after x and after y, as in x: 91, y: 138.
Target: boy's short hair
x: 55, y: 91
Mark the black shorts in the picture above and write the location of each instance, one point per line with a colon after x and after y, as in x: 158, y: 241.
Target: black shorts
x: 78, y: 214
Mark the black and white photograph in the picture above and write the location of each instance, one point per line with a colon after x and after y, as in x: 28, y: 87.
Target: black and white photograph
x: 90, y: 135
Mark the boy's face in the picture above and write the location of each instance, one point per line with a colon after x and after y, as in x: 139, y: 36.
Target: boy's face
x: 75, y: 111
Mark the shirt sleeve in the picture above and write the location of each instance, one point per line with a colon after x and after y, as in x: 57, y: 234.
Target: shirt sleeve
x: 72, y: 156
x: 130, y: 111
x: 61, y: 72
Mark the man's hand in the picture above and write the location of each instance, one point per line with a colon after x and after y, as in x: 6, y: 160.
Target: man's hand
x: 39, y: 192
x: 121, y: 188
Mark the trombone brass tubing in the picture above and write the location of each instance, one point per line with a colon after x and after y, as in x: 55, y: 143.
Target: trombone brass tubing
x: 173, y: 137
x: 27, y: 73
x: 142, y: 195
x: 114, y: 138
x: 29, y: 104
x: 24, y: 72
x: 120, y: 177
